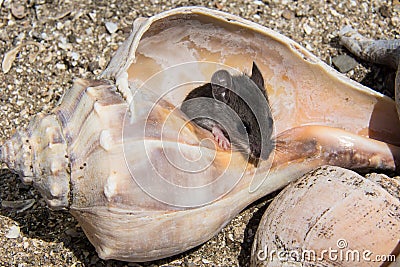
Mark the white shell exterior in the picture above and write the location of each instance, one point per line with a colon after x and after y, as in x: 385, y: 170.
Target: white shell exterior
x: 330, y: 217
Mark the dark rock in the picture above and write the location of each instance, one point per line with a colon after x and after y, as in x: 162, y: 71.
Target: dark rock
x: 344, y: 63
x: 72, y: 38
x: 93, y: 66
x: 384, y: 11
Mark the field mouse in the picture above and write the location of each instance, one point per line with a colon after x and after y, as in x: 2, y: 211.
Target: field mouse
x: 236, y: 110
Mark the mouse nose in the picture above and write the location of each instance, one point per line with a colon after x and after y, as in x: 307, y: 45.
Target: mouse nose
x: 255, y: 150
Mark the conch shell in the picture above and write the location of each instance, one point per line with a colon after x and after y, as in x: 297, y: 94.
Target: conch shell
x: 143, y: 182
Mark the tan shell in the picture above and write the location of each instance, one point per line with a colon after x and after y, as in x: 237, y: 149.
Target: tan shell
x: 331, y: 209
x: 109, y: 153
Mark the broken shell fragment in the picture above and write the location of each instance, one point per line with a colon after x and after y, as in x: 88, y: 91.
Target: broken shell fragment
x: 9, y: 57
x: 143, y: 182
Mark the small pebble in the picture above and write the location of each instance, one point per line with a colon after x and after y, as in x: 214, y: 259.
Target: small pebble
x: 364, y: 7
x: 281, y: 2
x: 61, y: 66
x: 13, y: 232
x: 93, y: 66
x: 205, y: 261
x: 71, y: 38
x: 59, y: 26
x: 250, y: 232
x: 89, y: 31
x: 18, y: 11
x: 230, y: 236
x: 47, y: 58
x: 396, y: 6
x: 197, y: 259
x: 94, y: 259
x: 335, y: 13
x: 309, y: 47
x: 384, y: 11
x: 307, y: 29
x: 72, y: 232
x: 74, y: 55
x: 92, y: 16
x: 344, y: 63
x: 287, y: 14
x: 102, y: 62
x: 111, y: 27
x: 395, y: 21
x: 43, y: 35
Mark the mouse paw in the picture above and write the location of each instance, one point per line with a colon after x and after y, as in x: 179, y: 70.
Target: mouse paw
x: 220, y: 138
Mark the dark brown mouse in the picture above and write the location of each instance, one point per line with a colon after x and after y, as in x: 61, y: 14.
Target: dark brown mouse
x: 236, y: 110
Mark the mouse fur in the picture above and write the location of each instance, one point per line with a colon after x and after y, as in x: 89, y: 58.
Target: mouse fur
x: 238, y: 106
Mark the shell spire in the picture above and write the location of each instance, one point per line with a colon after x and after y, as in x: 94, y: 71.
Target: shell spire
x: 38, y: 155
x: 51, y: 152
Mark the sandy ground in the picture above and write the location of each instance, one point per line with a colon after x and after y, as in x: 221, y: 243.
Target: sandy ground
x: 76, y: 43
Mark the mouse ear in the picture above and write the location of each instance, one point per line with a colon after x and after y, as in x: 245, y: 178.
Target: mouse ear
x: 257, y: 77
x: 221, y: 83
